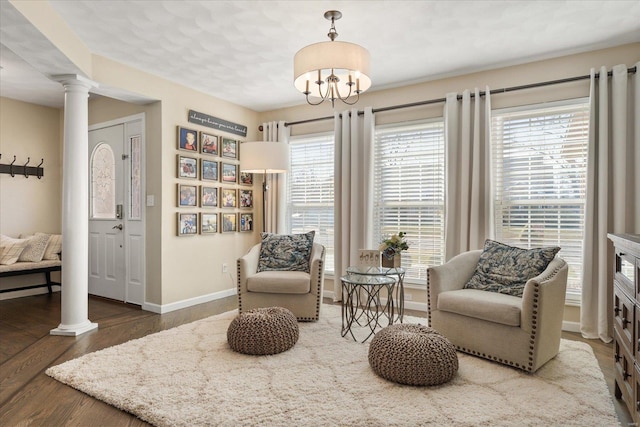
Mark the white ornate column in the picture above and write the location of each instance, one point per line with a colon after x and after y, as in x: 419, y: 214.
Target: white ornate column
x: 75, y: 208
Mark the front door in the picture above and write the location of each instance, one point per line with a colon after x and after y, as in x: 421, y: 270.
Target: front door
x: 116, y: 225
x: 106, y: 189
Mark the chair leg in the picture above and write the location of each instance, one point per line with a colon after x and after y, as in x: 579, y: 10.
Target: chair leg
x: 48, y: 276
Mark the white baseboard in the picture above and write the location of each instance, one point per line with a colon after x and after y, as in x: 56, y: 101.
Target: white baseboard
x: 571, y: 326
x: 418, y: 306
x: 27, y: 292
x: 166, y: 308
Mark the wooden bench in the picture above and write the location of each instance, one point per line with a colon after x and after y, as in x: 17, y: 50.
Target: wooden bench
x: 24, y: 268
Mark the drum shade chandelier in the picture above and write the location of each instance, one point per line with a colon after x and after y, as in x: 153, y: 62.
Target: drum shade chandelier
x: 332, y: 70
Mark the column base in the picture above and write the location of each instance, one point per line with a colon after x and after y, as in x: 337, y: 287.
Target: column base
x: 74, y: 331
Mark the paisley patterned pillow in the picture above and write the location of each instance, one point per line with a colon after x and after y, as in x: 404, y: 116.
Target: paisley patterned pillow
x: 506, y: 269
x: 285, y: 252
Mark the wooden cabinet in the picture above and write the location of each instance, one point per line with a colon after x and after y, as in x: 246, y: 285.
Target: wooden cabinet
x: 626, y: 320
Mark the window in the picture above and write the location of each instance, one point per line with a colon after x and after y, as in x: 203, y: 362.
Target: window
x: 409, y: 191
x: 540, y: 157
x: 310, y: 190
x: 103, y: 181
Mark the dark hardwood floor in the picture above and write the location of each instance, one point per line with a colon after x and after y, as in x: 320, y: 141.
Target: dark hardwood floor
x: 28, y: 397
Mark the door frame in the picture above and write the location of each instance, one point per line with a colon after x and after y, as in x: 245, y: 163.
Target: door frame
x: 127, y: 178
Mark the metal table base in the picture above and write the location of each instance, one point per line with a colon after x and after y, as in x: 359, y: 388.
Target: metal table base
x: 398, y: 272
x: 362, y: 304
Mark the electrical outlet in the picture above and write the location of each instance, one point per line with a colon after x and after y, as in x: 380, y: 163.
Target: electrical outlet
x: 407, y: 297
x: 225, y: 268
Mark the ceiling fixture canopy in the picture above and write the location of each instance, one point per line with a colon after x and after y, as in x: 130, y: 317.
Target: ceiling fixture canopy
x: 332, y: 70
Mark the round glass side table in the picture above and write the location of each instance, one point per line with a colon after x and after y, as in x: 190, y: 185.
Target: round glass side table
x: 384, y: 271
x: 362, y: 305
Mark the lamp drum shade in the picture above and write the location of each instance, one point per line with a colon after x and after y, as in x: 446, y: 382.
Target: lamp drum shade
x: 342, y: 58
x: 264, y: 157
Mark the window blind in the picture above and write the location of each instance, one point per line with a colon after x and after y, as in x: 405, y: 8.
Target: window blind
x: 310, y: 190
x: 409, y: 192
x: 540, y: 156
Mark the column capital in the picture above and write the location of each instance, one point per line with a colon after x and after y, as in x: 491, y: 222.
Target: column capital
x: 74, y: 80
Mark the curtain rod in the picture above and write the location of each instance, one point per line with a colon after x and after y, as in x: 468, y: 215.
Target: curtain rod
x: 631, y: 70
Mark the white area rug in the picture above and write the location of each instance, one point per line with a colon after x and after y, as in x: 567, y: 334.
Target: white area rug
x: 188, y: 376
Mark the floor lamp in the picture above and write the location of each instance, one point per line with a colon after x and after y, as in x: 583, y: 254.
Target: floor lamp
x: 264, y: 157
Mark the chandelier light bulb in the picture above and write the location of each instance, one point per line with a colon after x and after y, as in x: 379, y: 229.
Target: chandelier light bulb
x: 344, y: 65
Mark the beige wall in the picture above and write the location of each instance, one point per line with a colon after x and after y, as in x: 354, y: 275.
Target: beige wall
x: 534, y: 72
x: 29, y: 205
x: 178, y: 268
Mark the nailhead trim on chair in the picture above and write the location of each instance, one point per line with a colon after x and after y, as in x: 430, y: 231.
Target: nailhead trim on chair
x: 429, y: 296
x: 319, y: 297
x: 534, y: 327
x: 320, y: 284
x: 239, y: 290
x: 534, y: 323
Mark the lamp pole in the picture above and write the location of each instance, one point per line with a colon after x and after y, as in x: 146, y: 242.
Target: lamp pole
x: 264, y: 157
x: 265, y: 187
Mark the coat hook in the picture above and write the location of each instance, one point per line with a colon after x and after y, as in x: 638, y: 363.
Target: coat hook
x: 39, y: 169
x: 11, y: 167
x: 25, y: 167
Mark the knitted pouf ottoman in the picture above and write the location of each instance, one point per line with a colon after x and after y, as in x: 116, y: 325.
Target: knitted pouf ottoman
x: 263, y: 331
x: 413, y: 354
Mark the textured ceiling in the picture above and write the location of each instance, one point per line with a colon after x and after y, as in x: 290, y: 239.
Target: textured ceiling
x: 242, y: 51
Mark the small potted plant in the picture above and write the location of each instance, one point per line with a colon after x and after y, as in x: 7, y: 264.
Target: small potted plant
x: 392, y: 248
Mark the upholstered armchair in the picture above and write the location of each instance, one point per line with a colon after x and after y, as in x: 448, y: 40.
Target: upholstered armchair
x: 298, y: 291
x: 523, y: 332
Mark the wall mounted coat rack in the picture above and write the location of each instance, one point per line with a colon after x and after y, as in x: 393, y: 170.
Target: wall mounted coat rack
x: 22, y: 169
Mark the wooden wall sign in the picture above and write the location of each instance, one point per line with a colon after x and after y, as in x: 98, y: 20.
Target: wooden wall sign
x: 216, y: 123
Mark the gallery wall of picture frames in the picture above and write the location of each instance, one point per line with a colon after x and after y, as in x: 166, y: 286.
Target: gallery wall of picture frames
x: 213, y: 196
